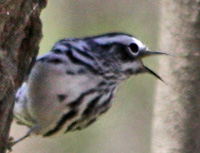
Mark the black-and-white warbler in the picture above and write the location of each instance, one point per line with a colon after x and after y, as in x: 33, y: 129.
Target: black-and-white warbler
x: 72, y: 85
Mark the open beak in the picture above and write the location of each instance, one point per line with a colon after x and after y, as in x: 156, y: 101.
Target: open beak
x: 150, y: 53
x: 146, y: 53
x: 148, y: 70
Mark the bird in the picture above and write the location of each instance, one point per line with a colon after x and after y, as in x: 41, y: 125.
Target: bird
x: 71, y: 86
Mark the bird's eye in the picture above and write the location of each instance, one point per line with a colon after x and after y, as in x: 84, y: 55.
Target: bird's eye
x: 134, y: 48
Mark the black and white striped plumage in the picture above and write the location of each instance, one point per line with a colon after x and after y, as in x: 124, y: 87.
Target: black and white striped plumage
x: 73, y: 84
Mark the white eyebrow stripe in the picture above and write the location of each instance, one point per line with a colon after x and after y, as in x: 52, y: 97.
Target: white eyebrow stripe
x: 139, y: 43
x: 115, y: 39
x: 125, y: 40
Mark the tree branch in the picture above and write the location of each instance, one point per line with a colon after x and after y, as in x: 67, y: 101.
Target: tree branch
x: 177, y: 108
x: 20, y: 34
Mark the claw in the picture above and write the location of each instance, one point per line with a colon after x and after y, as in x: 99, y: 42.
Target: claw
x: 10, y: 144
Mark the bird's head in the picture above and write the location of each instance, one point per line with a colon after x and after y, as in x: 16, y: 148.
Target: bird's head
x: 123, y: 53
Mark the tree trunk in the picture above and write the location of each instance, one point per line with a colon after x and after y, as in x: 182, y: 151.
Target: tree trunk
x: 176, y: 126
x: 20, y: 34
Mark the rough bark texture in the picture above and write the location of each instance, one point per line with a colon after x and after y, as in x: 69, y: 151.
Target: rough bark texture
x: 20, y: 34
x: 176, y: 127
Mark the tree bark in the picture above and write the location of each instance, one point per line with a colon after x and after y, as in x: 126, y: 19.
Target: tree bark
x: 176, y: 126
x: 20, y: 34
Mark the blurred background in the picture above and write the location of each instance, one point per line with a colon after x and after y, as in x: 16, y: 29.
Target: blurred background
x: 126, y: 128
